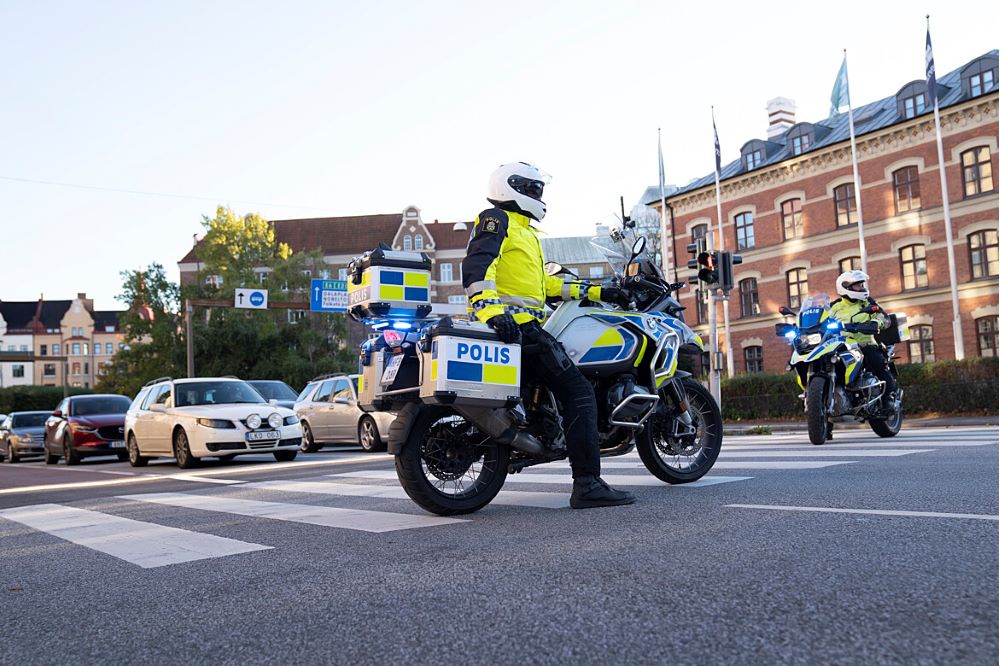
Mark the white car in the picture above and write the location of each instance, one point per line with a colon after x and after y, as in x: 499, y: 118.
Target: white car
x: 188, y: 419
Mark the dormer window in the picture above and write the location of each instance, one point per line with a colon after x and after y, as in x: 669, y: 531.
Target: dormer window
x: 979, y: 76
x: 800, y: 138
x: 913, y: 106
x: 753, y: 159
x: 800, y: 144
x: 755, y: 152
x: 911, y: 100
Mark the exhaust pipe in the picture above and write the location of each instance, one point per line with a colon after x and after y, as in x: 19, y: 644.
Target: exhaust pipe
x: 501, y: 427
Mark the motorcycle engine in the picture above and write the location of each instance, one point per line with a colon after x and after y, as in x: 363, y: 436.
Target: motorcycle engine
x: 624, y: 387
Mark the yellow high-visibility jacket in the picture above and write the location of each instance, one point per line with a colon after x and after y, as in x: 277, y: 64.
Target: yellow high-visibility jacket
x: 854, y: 312
x: 504, y: 270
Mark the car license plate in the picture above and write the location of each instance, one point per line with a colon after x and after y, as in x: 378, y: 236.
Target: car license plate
x: 391, y: 370
x: 263, y: 436
x: 117, y: 444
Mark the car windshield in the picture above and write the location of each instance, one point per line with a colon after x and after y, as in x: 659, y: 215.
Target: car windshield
x: 274, y: 390
x: 190, y: 394
x: 28, y: 420
x: 99, y: 405
x: 305, y: 392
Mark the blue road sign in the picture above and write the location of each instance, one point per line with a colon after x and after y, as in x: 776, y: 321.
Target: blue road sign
x: 256, y: 299
x: 328, y: 296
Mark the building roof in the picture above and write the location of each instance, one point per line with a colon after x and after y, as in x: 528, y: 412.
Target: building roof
x: 868, y: 118
x: 105, y: 318
x: 448, y: 237
x: 18, y: 315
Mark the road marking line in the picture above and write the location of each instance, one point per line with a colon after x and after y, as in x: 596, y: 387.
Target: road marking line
x: 565, y: 478
x: 201, y: 479
x: 146, y: 544
x: 780, y: 464
x: 872, y: 512
x: 821, y: 453
x: 506, y: 497
x: 326, y: 516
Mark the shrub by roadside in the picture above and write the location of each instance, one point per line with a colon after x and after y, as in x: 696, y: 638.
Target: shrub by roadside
x: 31, y: 398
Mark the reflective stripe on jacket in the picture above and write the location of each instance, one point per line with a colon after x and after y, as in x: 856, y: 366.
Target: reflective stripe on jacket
x: 504, y: 270
x: 854, y: 312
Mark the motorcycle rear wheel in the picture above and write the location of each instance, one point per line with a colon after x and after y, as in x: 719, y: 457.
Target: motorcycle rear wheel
x: 447, y: 466
x: 678, y: 462
x: 816, y: 410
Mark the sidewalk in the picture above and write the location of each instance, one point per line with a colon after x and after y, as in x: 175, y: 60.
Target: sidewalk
x: 740, y: 427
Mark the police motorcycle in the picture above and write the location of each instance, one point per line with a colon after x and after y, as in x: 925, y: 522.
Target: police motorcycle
x: 830, y: 371
x: 467, y: 415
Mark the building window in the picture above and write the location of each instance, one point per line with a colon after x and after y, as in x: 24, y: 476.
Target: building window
x: 906, y: 185
x: 798, y: 286
x: 977, y: 171
x: 445, y: 272
x: 744, y: 231
x: 213, y: 280
x: 844, y: 206
x: 86, y: 368
x: 913, y: 106
x: 296, y: 316
x: 699, y: 231
x: 749, y: 302
x: 921, y: 344
x: 596, y: 271
x: 110, y: 349
x: 17, y: 371
x: 342, y: 274
x: 418, y: 242
x: 981, y: 82
x: 791, y: 218
x: 23, y: 348
x: 754, y: 358
x: 701, y: 298
x: 986, y: 334
x: 984, y: 255
x: 76, y: 368
x: 86, y: 348
x: 753, y: 159
x: 55, y: 349
x: 850, y: 264
x: 49, y: 370
x: 407, y: 243
x: 456, y: 300
x: 800, y: 144
x: 76, y: 349
x: 45, y: 350
x: 913, y: 259
x: 262, y: 278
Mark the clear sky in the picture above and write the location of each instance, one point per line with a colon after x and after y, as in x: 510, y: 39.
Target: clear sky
x: 302, y: 109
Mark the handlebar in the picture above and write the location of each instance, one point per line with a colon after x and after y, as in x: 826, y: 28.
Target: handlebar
x: 865, y: 328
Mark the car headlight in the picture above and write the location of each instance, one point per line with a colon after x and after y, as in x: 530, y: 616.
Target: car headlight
x: 291, y: 420
x: 216, y: 423
x: 254, y: 421
x: 275, y: 420
x: 80, y: 428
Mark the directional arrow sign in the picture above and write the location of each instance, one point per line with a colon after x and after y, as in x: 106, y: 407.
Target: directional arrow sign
x: 328, y: 296
x: 251, y: 299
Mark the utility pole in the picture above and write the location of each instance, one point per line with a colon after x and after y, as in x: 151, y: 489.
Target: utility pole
x: 189, y: 332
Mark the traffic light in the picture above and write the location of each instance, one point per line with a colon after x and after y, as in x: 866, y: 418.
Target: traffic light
x: 726, y: 263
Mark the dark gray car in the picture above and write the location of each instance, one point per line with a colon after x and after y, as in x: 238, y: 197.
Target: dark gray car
x: 278, y: 391
x: 21, y: 435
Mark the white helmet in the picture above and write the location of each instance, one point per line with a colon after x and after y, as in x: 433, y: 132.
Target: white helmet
x: 521, y: 184
x: 853, y: 285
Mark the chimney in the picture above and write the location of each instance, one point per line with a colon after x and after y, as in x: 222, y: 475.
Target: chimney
x: 82, y: 295
x: 780, y: 116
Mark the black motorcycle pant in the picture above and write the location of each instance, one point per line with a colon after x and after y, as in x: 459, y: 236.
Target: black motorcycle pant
x: 545, y: 360
x: 876, y: 363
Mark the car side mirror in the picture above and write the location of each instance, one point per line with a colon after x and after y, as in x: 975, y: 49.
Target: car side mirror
x: 158, y: 408
x: 273, y: 402
x: 787, y: 311
x: 57, y: 414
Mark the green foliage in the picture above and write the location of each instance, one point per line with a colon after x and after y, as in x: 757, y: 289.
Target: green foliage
x: 31, y: 398
x: 234, y: 246
x: 944, y: 387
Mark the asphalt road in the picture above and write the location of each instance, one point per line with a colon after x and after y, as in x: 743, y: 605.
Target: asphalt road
x: 860, y: 551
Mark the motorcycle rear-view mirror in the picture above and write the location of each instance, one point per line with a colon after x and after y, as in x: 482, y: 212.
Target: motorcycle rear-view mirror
x: 787, y: 311
x: 638, y: 247
x: 552, y: 268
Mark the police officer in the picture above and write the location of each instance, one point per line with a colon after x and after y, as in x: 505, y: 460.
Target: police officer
x: 855, y: 306
x: 506, y: 283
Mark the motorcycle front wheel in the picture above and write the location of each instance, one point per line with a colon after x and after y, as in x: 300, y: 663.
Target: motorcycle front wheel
x: 688, y: 457
x: 888, y: 427
x: 816, y: 410
x: 447, y: 466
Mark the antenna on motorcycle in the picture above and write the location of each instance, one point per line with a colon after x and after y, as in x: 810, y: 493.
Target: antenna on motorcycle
x: 626, y: 220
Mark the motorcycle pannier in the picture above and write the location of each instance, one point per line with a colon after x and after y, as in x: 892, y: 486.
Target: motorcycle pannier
x: 463, y: 362
x: 385, y: 370
x: 386, y: 283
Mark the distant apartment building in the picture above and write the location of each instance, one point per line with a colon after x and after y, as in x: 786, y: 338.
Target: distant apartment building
x: 54, y: 342
x: 788, y: 208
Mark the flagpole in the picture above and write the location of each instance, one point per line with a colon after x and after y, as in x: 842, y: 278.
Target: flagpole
x: 664, y: 262
x: 857, y: 178
x: 715, y: 384
x: 956, y: 312
x: 722, y: 247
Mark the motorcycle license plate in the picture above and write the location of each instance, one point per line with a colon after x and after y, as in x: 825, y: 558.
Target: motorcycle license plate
x: 263, y: 436
x: 118, y: 444
x: 391, y: 370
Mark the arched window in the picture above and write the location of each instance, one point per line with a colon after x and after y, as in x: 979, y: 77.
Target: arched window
x: 753, y: 356
x: 699, y: 231
x: 798, y: 286
x: 843, y: 205
x: 979, y: 76
x: 977, y: 171
x: 913, y: 260
x: 791, y: 218
x: 407, y: 243
x: 744, y: 231
x: 921, y: 344
x: 850, y: 264
x: 986, y: 335
x: 749, y: 301
x: 984, y: 254
x: 418, y: 242
x: 906, y: 186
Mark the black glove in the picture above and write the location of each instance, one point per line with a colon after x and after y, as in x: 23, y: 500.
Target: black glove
x: 616, y: 295
x: 507, y: 329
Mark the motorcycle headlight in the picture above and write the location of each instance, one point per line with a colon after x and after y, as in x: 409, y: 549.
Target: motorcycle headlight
x: 275, y: 420
x: 813, y: 339
x: 254, y: 421
x: 216, y: 423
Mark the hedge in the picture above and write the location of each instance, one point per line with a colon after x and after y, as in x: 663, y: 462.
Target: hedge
x: 943, y: 387
x: 31, y: 398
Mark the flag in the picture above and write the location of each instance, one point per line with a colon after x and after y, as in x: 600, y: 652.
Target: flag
x: 931, y: 78
x: 718, y: 151
x: 841, y: 94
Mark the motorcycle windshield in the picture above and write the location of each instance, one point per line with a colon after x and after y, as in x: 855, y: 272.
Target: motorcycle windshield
x: 614, y: 252
x: 812, y: 310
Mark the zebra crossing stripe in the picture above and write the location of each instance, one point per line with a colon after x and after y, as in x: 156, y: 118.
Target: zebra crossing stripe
x: 145, y: 544
x: 779, y: 464
x: 565, y: 478
x: 507, y: 498
x: 821, y: 453
x: 325, y: 516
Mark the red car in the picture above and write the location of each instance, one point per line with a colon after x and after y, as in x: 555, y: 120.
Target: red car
x: 86, y: 425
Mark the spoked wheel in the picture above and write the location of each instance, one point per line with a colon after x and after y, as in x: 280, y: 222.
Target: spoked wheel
x: 447, y: 466
x: 682, y: 457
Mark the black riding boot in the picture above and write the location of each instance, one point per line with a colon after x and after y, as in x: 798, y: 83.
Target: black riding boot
x: 591, y: 491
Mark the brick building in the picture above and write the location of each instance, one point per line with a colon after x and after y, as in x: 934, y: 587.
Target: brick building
x: 788, y: 208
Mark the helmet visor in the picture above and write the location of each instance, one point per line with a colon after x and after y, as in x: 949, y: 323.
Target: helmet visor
x: 527, y: 186
x: 857, y: 286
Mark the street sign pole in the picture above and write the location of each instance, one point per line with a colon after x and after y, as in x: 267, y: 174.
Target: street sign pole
x: 189, y: 327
